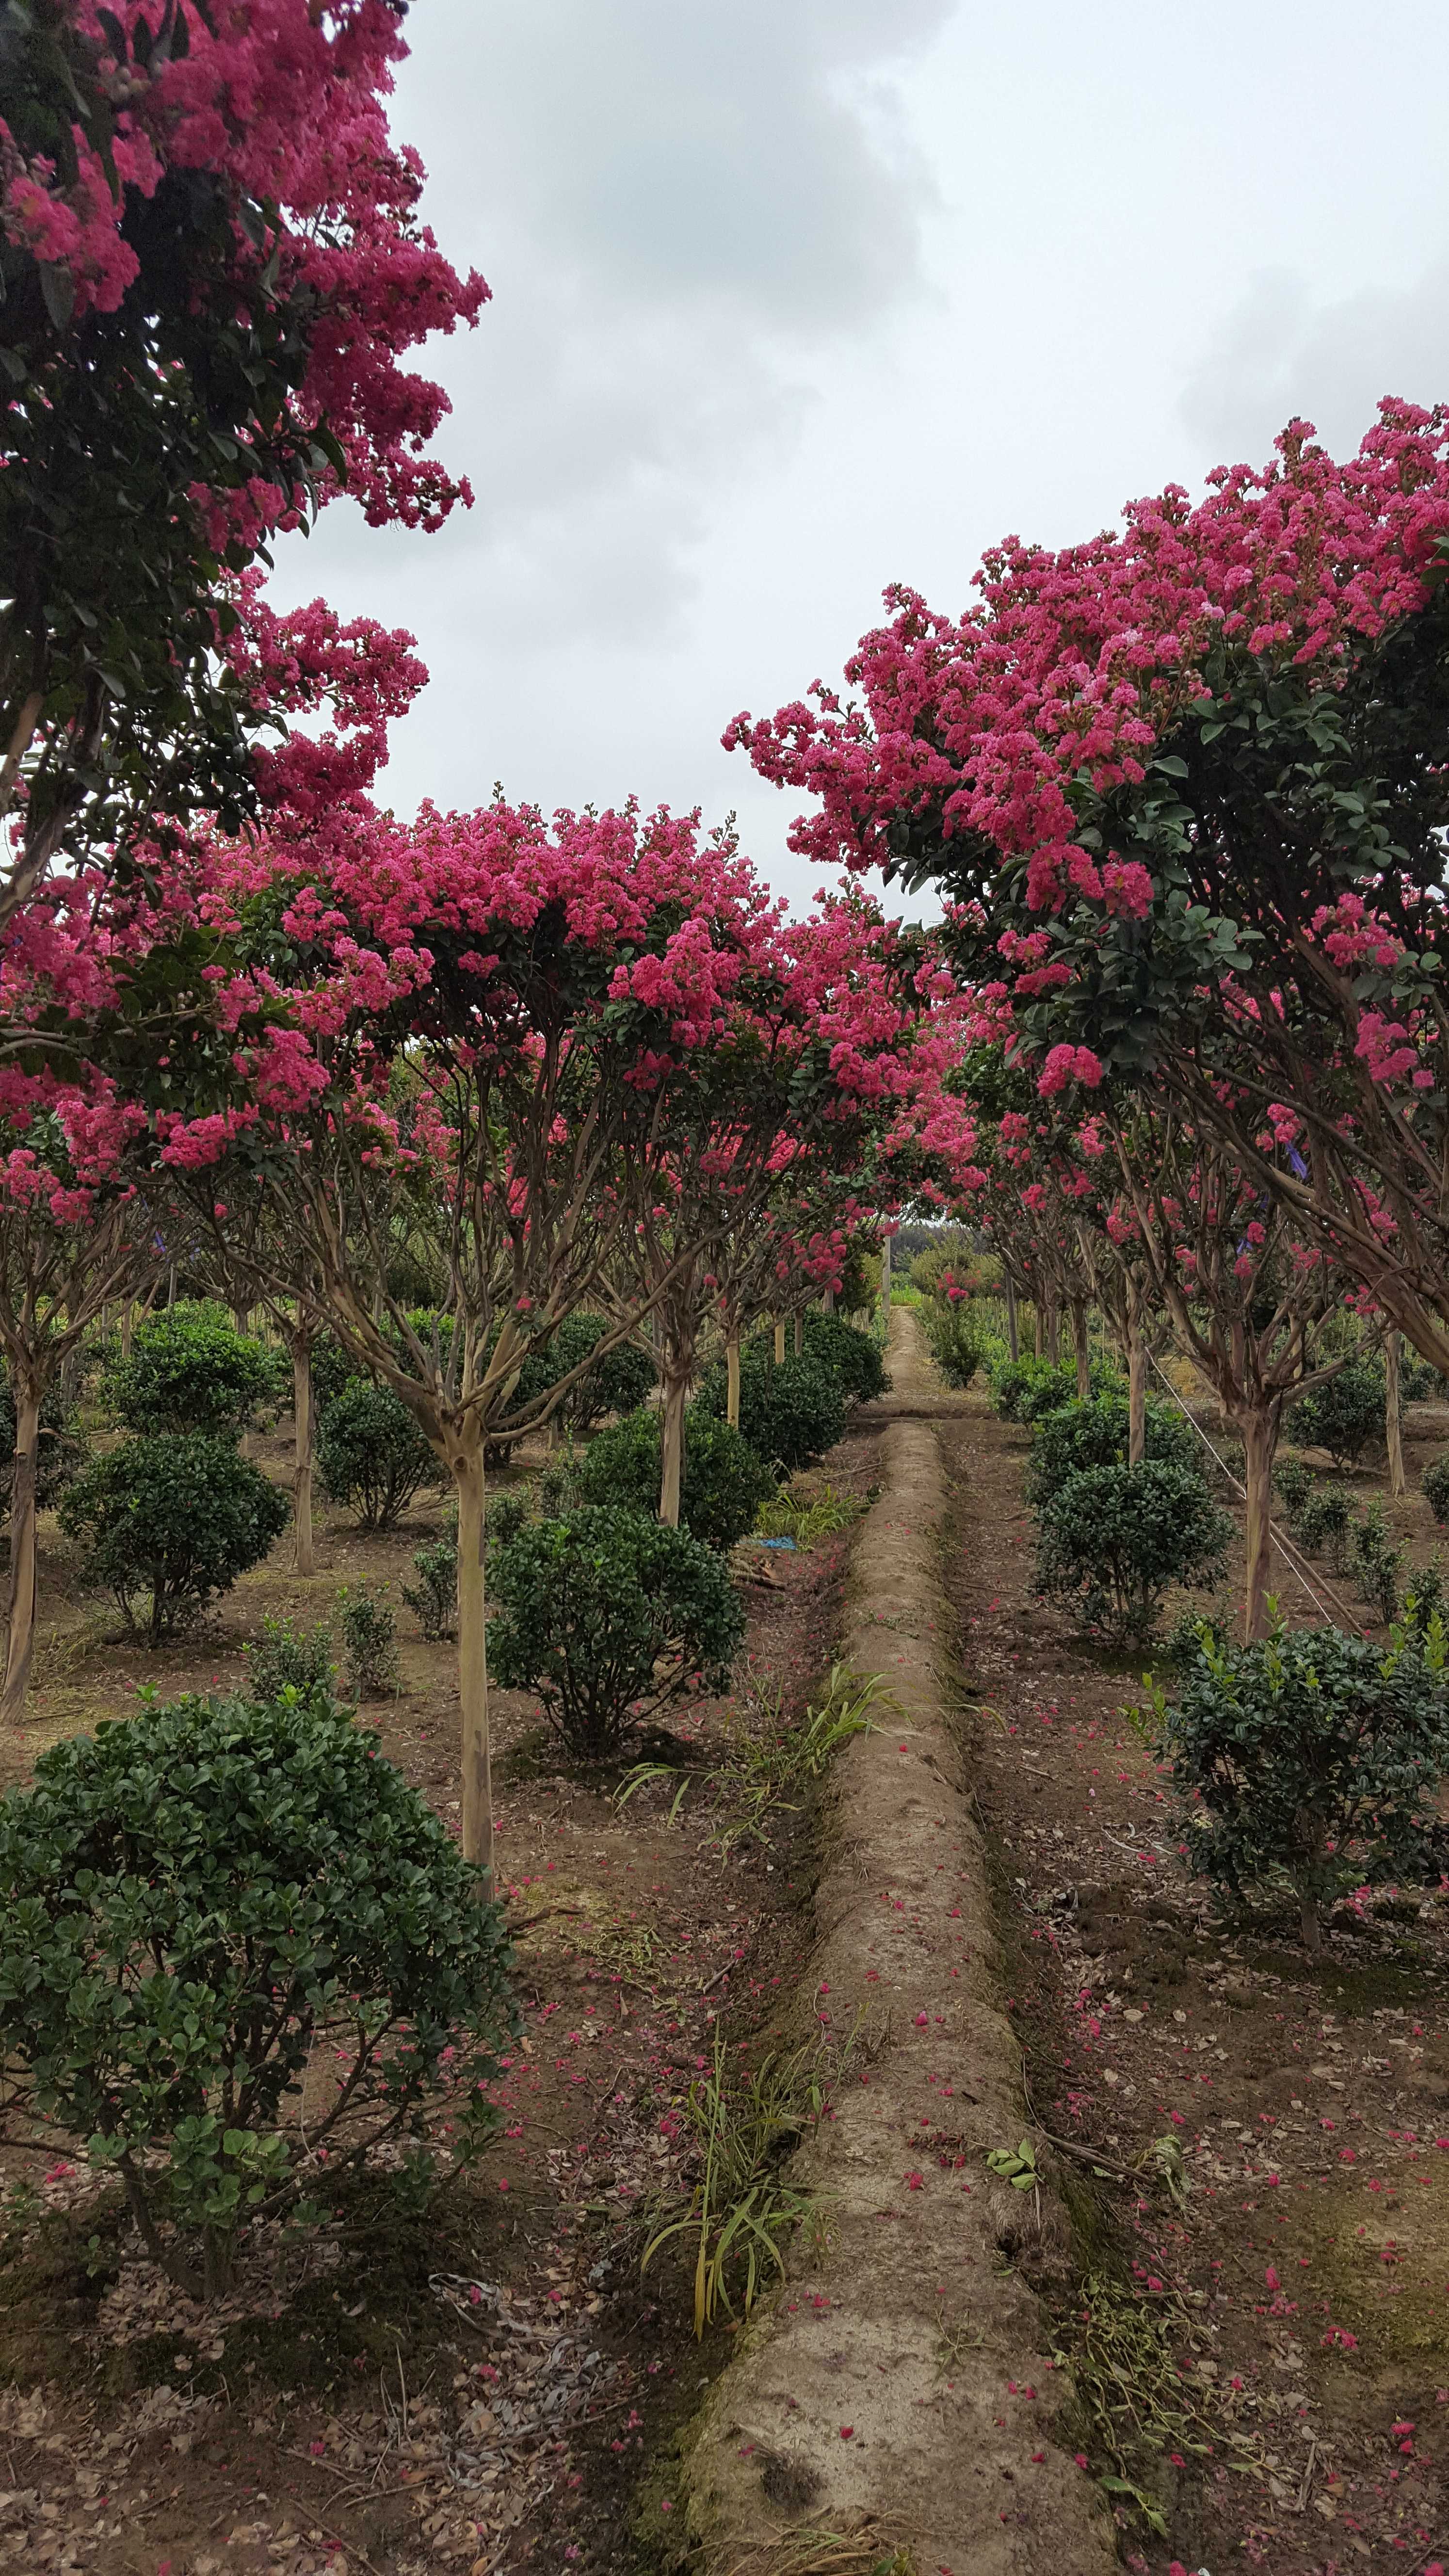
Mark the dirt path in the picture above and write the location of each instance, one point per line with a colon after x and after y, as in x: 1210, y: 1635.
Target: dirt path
x: 1282, y: 2340
x: 903, y: 2389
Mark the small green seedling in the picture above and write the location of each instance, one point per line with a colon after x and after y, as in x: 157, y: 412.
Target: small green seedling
x: 1016, y: 2165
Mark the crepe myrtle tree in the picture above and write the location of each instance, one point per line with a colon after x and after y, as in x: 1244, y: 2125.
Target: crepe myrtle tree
x: 1188, y: 786
x: 211, y: 270
x: 517, y: 1010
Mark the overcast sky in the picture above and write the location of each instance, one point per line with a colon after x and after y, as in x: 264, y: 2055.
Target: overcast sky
x: 793, y: 298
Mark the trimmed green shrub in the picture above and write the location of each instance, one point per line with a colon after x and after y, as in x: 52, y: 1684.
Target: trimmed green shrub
x: 1326, y: 1525
x: 1188, y: 1638
x: 369, y: 1632
x: 1418, y: 1382
x: 171, y: 1522
x: 1426, y: 1598
x: 617, y: 1383
x: 791, y: 1412
x: 1312, y: 1757
x: 60, y: 1454
x: 852, y: 1358
x: 1377, y: 1561
x: 608, y: 1616
x: 192, y: 1901
x: 371, y: 1454
x: 1344, y: 1414
x: 1074, y: 1437
x: 1024, y: 1390
x: 433, y: 1599
x: 958, y: 1343
x: 191, y: 1370
x: 1111, y: 1540
x: 1436, y: 1488
x: 722, y: 1488
x: 1295, y: 1483
x: 283, y: 1659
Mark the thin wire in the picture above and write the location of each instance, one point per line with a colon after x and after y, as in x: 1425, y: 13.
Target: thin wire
x: 1286, y: 1547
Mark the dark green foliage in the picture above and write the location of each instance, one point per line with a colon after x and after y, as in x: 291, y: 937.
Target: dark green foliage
x: 1325, y: 1525
x: 790, y: 1412
x: 191, y: 1902
x: 1436, y: 1488
x: 332, y: 1373
x: 371, y: 1454
x: 171, y: 1522
x: 617, y: 1383
x: 1425, y: 1598
x: 60, y: 1452
x: 1418, y: 1382
x: 1311, y: 1756
x: 1295, y: 1483
x: 1111, y: 1540
x: 958, y: 1344
x: 191, y: 1370
x: 433, y: 1599
x: 1185, y: 1640
x: 369, y: 1629
x: 723, y: 1485
x: 852, y: 1358
x: 1074, y: 1437
x: 1024, y: 1390
x: 608, y: 1616
x: 1344, y: 1414
x: 284, y: 1659
x: 1377, y: 1562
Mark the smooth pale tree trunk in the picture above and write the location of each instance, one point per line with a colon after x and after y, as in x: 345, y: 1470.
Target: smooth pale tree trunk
x: 171, y: 1287
x: 303, y: 1557
x: 671, y: 1477
x: 1259, y: 1432
x: 1054, y: 1336
x: 799, y: 1337
x: 732, y: 1381
x: 827, y: 1301
x: 1136, y: 1398
x: 20, y: 1642
x: 885, y: 1276
x: 779, y: 1340
x: 1082, y: 1349
x: 1394, y: 1424
x: 467, y: 1465
x: 1013, y: 1337
x: 128, y: 1327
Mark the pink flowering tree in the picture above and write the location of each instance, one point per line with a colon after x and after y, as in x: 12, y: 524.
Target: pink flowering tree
x: 211, y: 271
x: 1187, y: 784
x: 517, y: 1011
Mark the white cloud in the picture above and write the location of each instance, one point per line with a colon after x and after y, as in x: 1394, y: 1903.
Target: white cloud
x: 1284, y: 351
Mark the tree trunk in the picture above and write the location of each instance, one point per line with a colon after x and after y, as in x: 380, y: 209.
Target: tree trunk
x: 676, y: 1388
x: 1136, y: 1397
x: 1260, y: 1442
x: 800, y: 1337
x: 473, y: 1655
x: 1393, y: 1348
x: 303, y: 1557
x: 1013, y: 1337
x: 1312, y: 1928
x: 20, y: 1643
x: 779, y: 1340
x: 1082, y: 1349
x: 1039, y: 1331
x: 885, y: 1276
x: 1054, y: 1336
x: 170, y: 1287
x: 732, y: 1380
x: 128, y: 1327
x: 827, y: 1300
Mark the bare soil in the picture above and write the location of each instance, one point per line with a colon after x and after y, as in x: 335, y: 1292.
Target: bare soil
x: 477, y: 2383
x: 1273, y: 2355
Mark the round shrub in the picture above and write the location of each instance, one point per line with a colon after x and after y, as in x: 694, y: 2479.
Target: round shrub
x: 608, y: 1615
x: 854, y: 1359
x: 791, y: 1412
x: 1295, y: 1483
x: 191, y: 1370
x: 1311, y: 1757
x: 371, y: 1454
x: 1074, y: 1437
x: 723, y: 1485
x: 1111, y: 1540
x: 194, y: 1900
x: 1343, y: 1414
x: 958, y: 1342
x: 170, y: 1523
x: 1436, y: 1488
x: 1326, y: 1525
x: 617, y: 1383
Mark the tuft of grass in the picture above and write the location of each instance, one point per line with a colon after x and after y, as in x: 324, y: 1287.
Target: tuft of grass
x: 740, y: 2209
x: 1139, y: 2404
x: 806, y: 1517
x: 862, y: 2552
x: 767, y: 1761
